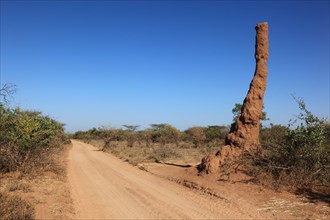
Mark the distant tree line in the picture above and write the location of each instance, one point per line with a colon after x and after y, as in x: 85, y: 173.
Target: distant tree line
x: 157, y: 133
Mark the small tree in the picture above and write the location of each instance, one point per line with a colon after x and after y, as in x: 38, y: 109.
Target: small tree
x: 165, y: 133
x: 109, y: 135
x: 216, y: 132
x: 131, y: 127
x: 94, y: 133
x: 146, y: 135
x: 6, y: 93
x: 299, y: 154
x: 156, y: 135
x: 26, y: 136
x: 273, y: 137
x: 196, y: 135
x: 171, y: 134
x: 305, y: 151
x: 130, y: 134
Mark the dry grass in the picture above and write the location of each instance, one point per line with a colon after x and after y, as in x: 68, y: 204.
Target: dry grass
x: 15, y: 185
x: 186, y: 153
x: 14, y: 207
x: 45, y: 190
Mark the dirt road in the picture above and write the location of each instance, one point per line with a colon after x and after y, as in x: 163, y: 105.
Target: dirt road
x: 104, y: 187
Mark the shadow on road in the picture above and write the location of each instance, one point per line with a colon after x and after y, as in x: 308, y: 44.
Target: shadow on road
x: 173, y: 164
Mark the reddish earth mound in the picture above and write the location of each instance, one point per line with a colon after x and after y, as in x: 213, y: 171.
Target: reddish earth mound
x: 245, y: 132
x: 244, y: 135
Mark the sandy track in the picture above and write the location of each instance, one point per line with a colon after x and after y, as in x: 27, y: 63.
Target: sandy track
x: 104, y: 187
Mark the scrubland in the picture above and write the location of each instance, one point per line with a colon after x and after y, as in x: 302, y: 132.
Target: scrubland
x: 32, y: 166
x: 294, y: 157
x: 34, y: 147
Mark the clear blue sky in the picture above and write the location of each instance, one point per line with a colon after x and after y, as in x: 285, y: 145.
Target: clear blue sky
x: 93, y: 63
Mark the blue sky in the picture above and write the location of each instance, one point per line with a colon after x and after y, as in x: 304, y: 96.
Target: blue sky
x: 93, y: 63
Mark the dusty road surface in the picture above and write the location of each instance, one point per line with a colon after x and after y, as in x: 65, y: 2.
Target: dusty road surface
x: 104, y: 187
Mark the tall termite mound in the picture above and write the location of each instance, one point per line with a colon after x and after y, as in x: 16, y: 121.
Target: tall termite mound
x: 244, y: 134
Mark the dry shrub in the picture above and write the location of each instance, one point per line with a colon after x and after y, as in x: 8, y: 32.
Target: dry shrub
x: 297, y: 156
x: 153, y: 152
x: 14, y: 207
x: 28, y: 140
x: 30, y: 143
x: 34, y: 162
x: 165, y: 152
x: 134, y: 155
x: 17, y: 185
x: 196, y: 135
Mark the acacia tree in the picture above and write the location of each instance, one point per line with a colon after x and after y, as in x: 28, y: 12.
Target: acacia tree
x: 156, y: 135
x: 131, y: 127
x: 130, y: 134
x: 109, y: 134
x: 165, y: 133
x: 171, y: 134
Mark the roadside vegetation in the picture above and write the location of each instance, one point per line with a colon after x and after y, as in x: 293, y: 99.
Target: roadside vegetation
x: 294, y: 156
x: 297, y: 155
x: 27, y: 140
x: 159, y: 143
x: 29, y: 147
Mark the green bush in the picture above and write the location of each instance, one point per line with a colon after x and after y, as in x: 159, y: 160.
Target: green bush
x: 297, y: 155
x: 273, y: 137
x: 216, y: 132
x: 89, y: 135
x: 164, y: 133
x: 305, y: 151
x: 25, y: 136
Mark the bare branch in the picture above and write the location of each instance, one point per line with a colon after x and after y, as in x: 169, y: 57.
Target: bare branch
x: 7, y: 91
